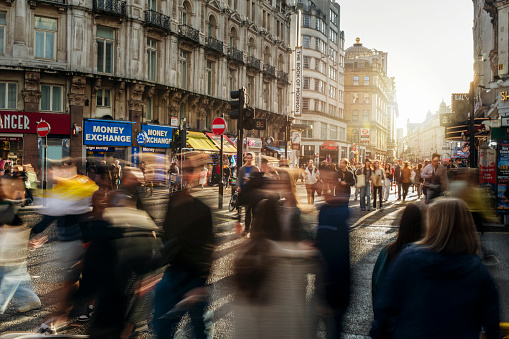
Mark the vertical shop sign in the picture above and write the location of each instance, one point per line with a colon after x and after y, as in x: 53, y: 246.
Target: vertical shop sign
x: 298, y: 81
x: 135, y: 156
x: 502, y: 176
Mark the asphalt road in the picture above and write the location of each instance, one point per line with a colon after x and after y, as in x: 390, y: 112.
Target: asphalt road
x: 370, y: 231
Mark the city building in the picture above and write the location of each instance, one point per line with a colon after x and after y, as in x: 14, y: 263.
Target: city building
x: 131, y: 63
x: 367, y: 89
x: 322, y: 82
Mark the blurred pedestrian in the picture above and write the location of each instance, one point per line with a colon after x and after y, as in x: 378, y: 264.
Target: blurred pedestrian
x: 271, y: 282
x: 116, y: 172
x: 188, y: 245
x: 333, y: 243
x: 377, y: 180
x: 342, y: 180
x: 397, y: 177
x: 364, y: 183
x: 388, y: 181
x: 312, y: 177
x: 411, y: 229
x: 406, y: 173
x: 435, y: 176
x: 418, y: 180
x: 439, y: 288
x: 245, y: 173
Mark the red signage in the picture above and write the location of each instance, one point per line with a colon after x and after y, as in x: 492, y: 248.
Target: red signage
x: 43, y: 129
x: 218, y: 126
x: 329, y: 146
x: 26, y: 122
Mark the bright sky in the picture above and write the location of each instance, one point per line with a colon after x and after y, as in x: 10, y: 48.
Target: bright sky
x: 429, y: 44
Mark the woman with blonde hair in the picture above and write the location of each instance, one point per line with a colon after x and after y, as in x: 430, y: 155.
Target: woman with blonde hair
x: 439, y: 287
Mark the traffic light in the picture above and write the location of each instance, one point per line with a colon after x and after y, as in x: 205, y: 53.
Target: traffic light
x: 184, y: 138
x: 237, y: 106
x: 248, y: 120
x: 176, y: 139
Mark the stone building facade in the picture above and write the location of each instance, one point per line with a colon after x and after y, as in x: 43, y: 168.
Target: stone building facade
x: 141, y: 61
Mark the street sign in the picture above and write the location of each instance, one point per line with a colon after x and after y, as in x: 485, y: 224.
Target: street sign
x: 505, y: 122
x: 43, y: 128
x: 142, y: 138
x: 260, y: 124
x: 218, y: 126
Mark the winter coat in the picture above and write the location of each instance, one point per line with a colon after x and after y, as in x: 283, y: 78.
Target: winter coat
x: 284, y: 311
x: 434, y: 295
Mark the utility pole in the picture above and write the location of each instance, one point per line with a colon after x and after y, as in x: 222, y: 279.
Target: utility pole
x: 472, y: 126
x: 237, y: 112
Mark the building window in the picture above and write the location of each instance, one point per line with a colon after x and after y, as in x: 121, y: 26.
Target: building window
x: 306, y: 61
x: 8, y: 95
x: 365, y: 98
x: 250, y: 87
x: 356, y: 80
x: 306, y: 83
x: 332, y: 73
x: 152, y: 59
x: 305, y: 103
x: 341, y: 93
x: 51, y: 98
x: 45, y: 31
x: 332, y: 92
x: 308, y: 133
x: 355, y: 115
x: 341, y: 113
x: 355, y: 136
x: 342, y: 133
x: 332, y: 54
x: 183, y: 14
x: 366, y: 80
x: 183, y: 69
x: 333, y: 36
x: 333, y: 132
x: 105, y: 41
x: 365, y: 115
x: 103, y: 97
x: 210, y: 80
x: 317, y: 105
x: 306, y: 20
x: 320, y: 25
x: 148, y: 113
x: 306, y: 41
x: 323, y: 130
x: 333, y: 17
x: 355, y: 98
x: 3, y: 23
x: 320, y: 45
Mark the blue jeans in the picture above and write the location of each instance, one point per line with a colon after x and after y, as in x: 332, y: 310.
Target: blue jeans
x: 365, y: 194
x: 15, y: 282
x: 171, y: 289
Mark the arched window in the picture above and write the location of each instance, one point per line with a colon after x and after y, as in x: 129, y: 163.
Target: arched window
x: 184, y: 14
x: 266, y: 56
x: 251, y: 48
x: 280, y: 63
x: 212, y: 27
x: 233, y: 37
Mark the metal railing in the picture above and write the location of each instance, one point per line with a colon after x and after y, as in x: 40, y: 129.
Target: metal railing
x: 254, y: 62
x: 115, y: 7
x: 268, y: 69
x: 214, y: 44
x: 59, y: 2
x: 236, y: 54
x: 282, y: 76
x: 189, y: 33
x: 157, y: 19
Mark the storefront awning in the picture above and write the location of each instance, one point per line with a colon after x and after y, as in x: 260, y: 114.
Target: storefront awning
x: 275, y: 149
x: 228, y: 146
x: 199, y: 142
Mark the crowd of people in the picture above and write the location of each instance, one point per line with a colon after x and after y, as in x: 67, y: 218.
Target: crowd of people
x: 290, y: 280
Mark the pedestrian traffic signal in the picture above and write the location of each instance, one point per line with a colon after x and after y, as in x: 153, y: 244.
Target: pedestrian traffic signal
x: 176, y: 140
x: 184, y: 138
x: 248, y: 118
x: 237, y: 106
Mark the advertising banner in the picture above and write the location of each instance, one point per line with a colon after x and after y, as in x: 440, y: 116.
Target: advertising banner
x: 106, y: 133
x: 135, y: 156
x: 158, y: 136
x: 502, y: 176
x: 364, y: 135
x: 298, y: 81
x: 26, y: 122
x: 488, y: 174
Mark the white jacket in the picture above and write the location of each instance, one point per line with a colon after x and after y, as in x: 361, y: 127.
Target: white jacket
x: 311, y: 177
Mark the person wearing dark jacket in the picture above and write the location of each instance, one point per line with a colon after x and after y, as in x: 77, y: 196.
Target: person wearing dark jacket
x: 397, y: 177
x: 188, y: 239
x: 333, y: 243
x: 439, y: 287
x: 342, y: 180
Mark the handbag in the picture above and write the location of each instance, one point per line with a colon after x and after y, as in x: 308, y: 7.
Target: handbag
x: 361, y: 180
x: 377, y: 181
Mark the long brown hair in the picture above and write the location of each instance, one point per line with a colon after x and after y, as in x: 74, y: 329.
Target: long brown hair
x: 410, y: 230
x: 450, y: 228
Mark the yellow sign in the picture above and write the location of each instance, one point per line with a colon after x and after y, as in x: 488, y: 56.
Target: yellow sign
x: 504, y: 96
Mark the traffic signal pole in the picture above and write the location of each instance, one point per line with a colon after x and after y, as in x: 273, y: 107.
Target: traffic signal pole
x: 472, y: 126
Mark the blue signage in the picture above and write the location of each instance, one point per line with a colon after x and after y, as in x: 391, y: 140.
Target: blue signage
x: 106, y: 133
x: 142, y: 138
x: 158, y: 136
x: 135, y: 156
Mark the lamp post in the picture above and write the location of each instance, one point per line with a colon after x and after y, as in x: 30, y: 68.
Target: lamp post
x: 472, y: 126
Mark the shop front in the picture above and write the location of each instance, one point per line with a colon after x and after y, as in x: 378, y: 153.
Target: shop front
x: 107, y: 140
x: 20, y: 144
x: 254, y: 146
x: 155, y: 150
x: 329, y: 152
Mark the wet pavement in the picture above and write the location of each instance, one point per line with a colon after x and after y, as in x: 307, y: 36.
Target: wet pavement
x: 370, y: 231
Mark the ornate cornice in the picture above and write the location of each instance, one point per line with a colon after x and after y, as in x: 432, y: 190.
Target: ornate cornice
x: 31, y: 96
x: 32, y: 80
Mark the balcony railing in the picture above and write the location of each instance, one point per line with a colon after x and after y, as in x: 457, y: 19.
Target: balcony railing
x: 283, y: 76
x: 189, y: 32
x: 270, y: 70
x: 114, y: 7
x: 236, y: 54
x: 153, y: 18
x: 214, y: 44
x: 254, y: 63
x: 55, y: 2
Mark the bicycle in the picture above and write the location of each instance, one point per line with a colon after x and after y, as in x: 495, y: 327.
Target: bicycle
x: 233, y: 201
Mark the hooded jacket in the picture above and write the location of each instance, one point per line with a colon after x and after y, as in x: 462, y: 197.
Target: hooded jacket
x: 434, y: 295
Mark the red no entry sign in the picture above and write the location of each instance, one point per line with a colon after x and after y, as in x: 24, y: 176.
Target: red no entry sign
x: 43, y: 128
x: 218, y: 126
